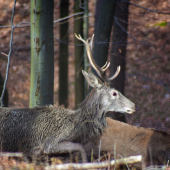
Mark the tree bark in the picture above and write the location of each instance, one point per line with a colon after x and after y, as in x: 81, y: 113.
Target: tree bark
x: 5, y: 98
x: 79, y: 51
x: 105, y: 10
x: 86, y: 29
x: 42, y: 53
x: 103, y: 25
x: 118, y: 51
x: 63, y: 55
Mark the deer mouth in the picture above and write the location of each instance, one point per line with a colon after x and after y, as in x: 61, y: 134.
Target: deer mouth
x: 130, y: 111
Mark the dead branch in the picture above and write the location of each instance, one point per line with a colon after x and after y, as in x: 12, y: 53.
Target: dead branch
x: 9, y: 55
x: 150, y: 10
x: 11, y: 154
x: 131, y: 159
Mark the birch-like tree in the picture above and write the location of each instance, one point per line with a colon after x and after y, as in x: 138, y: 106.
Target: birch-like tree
x: 42, y: 53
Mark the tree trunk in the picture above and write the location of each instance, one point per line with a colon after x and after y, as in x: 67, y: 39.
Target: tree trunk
x: 86, y: 29
x: 79, y: 51
x: 63, y: 55
x: 105, y: 10
x: 42, y: 53
x: 103, y: 25
x: 5, y: 98
x: 118, y: 51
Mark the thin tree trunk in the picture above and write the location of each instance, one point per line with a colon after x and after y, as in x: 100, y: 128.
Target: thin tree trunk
x: 118, y: 51
x: 5, y: 98
x: 42, y: 53
x: 79, y: 51
x: 63, y: 55
x: 86, y: 29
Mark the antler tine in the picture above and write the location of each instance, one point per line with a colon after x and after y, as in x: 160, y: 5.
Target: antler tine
x: 89, y: 54
x: 91, y: 42
x: 106, y: 66
x: 115, y: 75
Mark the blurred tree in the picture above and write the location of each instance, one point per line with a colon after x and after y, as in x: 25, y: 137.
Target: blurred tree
x: 105, y: 12
x: 42, y: 53
x: 86, y: 30
x: 5, y: 98
x: 118, y: 51
x: 63, y: 55
x: 79, y: 51
x: 103, y: 24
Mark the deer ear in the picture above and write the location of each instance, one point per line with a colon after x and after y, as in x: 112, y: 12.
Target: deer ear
x: 92, y: 80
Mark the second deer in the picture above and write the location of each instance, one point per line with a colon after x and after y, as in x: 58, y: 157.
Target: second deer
x: 127, y: 140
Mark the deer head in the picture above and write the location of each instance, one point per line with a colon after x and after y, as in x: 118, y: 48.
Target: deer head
x: 110, y: 99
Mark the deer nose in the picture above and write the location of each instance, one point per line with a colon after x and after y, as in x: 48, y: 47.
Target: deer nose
x: 130, y: 111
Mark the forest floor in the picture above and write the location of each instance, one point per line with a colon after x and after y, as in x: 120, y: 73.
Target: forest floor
x: 148, y: 59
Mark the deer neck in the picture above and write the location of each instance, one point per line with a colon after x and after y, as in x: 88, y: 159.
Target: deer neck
x: 90, y: 118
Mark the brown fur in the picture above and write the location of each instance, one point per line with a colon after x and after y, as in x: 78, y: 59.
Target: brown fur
x: 153, y: 145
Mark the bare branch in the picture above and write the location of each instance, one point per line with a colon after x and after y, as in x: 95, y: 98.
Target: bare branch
x: 27, y: 24
x: 131, y: 159
x: 150, y: 10
x: 4, y: 54
x: 124, y: 29
x: 99, y: 150
x: 139, y: 75
x: 17, y: 26
x: 61, y: 19
x: 9, y: 55
x: 11, y: 154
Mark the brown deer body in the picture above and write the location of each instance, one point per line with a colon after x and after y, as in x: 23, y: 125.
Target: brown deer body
x: 127, y: 140
x: 53, y: 130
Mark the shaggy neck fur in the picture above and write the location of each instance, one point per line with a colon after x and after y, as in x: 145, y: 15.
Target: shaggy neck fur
x: 90, y: 119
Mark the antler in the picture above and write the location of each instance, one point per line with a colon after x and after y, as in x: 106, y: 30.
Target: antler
x: 100, y: 71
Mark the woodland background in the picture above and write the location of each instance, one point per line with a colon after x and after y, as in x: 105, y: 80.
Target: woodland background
x: 147, y: 72
x: 147, y: 81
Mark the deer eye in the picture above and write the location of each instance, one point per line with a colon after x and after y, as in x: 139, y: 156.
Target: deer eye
x: 114, y: 94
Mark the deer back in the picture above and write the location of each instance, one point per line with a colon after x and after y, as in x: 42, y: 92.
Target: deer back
x: 127, y: 140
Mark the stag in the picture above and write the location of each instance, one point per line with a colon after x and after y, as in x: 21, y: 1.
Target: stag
x: 55, y: 130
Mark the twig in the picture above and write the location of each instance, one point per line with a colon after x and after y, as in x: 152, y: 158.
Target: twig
x: 4, y: 54
x: 145, y: 78
x: 115, y: 155
x: 27, y: 24
x: 61, y: 19
x: 131, y: 159
x: 17, y: 26
x: 11, y: 154
x: 99, y: 150
x: 150, y: 10
x: 9, y: 55
x: 109, y: 161
x: 124, y: 29
x: 157, y: 167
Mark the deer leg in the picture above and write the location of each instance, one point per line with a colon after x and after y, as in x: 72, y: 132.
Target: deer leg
x: 65, y: 147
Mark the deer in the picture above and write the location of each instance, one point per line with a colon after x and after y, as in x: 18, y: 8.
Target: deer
x: 55, y: 130
x: 127, y: 140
